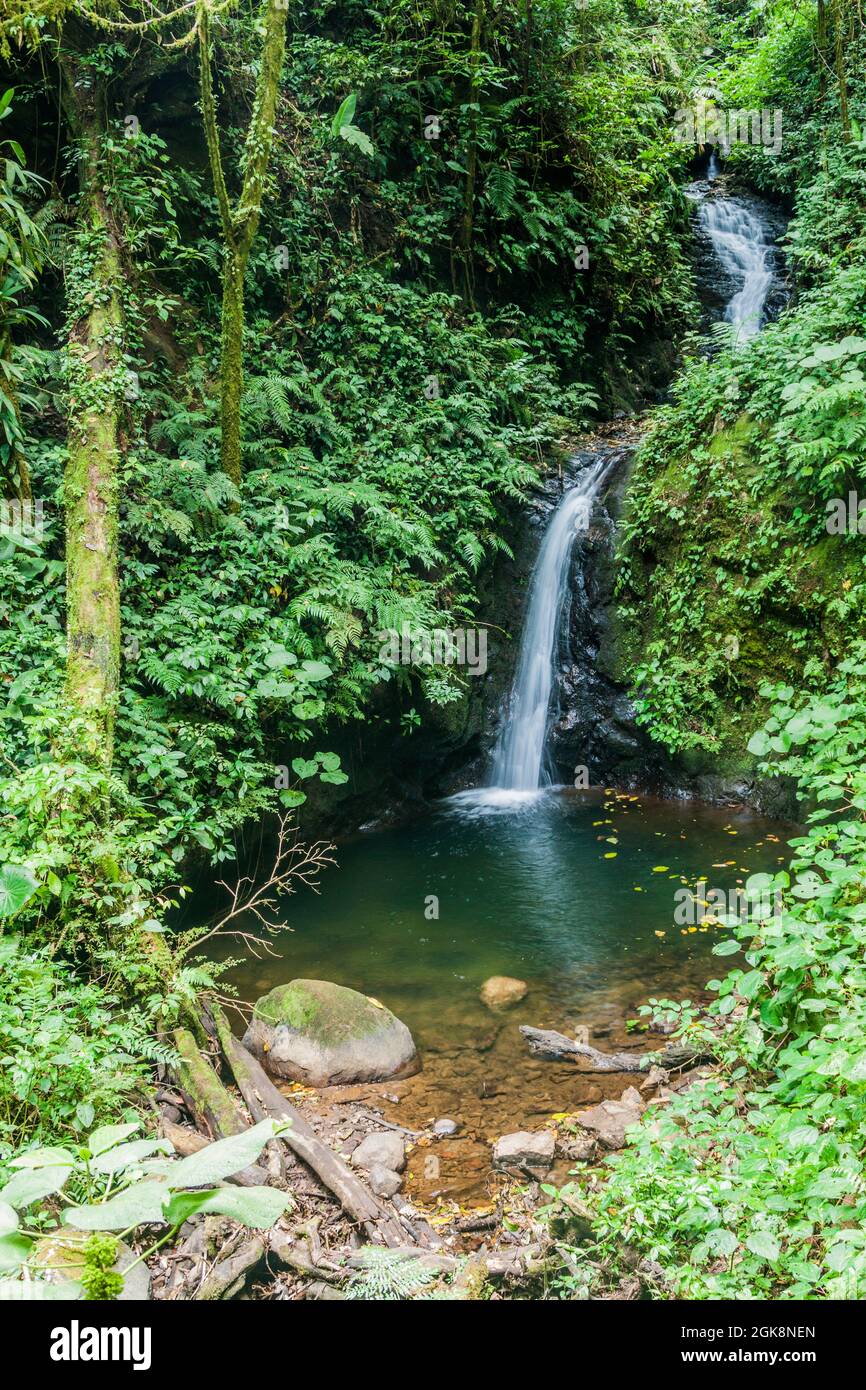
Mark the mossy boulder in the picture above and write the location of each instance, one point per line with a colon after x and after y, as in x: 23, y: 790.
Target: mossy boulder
x: 325, y: 1035
x: 59, y: 1256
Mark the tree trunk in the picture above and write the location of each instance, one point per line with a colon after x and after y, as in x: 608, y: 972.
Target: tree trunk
x: 97, y: 384
x: 838, y: 24
x: 467, y: 227
x: 240, y: 224
x: 232, y: 365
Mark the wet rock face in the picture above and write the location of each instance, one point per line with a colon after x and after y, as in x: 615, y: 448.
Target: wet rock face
x: 324, y: 1035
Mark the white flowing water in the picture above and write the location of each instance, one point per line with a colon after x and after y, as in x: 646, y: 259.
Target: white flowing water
x: 519, y: 773
x: 739, y: 240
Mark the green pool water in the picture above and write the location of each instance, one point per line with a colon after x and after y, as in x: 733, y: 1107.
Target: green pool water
x: 531, y: 894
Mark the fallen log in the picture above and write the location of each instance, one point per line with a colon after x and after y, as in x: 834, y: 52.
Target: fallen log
x: 264, y: 1102
x: 205, y: 1096
x: 229, y: 1277
x: 553, y: 1046
x: 515, y: 1261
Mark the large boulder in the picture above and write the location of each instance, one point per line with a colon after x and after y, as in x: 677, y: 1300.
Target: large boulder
x: 325, y: 1035
x: 503, y: 991
x: 59, y: 1256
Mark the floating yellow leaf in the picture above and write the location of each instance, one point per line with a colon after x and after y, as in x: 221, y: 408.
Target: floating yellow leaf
x: 661, y: 869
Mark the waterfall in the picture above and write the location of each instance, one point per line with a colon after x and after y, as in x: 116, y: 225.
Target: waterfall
x: 739, y: 241
x: 518, y: 763
x: 519, y: 772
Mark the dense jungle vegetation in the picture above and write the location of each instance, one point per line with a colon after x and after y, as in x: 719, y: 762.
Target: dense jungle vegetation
x: 297, y: 304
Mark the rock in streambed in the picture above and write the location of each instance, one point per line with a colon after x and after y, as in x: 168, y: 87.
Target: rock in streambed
x: 323, y: 1034
x: 502, y: 992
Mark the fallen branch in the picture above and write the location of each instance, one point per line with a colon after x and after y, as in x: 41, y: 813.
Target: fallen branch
x: 205, y: 1096
x: 553, y: 1046
x: 264, y: 1102
x: 229, y: 1277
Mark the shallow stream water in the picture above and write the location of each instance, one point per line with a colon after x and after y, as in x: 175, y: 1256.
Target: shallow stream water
x: 574, y: 895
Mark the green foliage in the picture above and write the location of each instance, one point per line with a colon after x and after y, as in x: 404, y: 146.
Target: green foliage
x: 69, y: 1053
x: 749, y: 1184
x: 389, y: 1276
x: 129, y: 1183
x: 727, y: 572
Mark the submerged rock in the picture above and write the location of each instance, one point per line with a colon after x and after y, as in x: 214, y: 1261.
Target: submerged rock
x: 524, y: 1150
x: 382, y: 1150
x: 502, y: 991
x: 444, y: 1128
x: 383, y: 1181
x: 325, y: 1035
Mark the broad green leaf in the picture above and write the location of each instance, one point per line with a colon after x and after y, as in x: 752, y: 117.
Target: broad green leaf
x: 759, y: 744
x: 314, y: 670
x: 39, y: 1291
x: 226, y: 1156
x: 124, y: 1155
x: 17, y: 886
x: 14, y: 1250
x: 258, y: 1207
x: 109, y: 1135
x: 32, y: 1184
x: 345, y: 113
x: 278, y: 657
x: 44, y: 1158
x: 726, y: 948
x: 764, y: 1245
x: 135, y: 1205
x: 8, y: 1219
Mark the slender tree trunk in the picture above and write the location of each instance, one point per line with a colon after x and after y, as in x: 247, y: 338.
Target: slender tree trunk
x: 838, y: 25
x: 240, y: 223
x: 821, y: 39
x: 232, y: 365
x: 467, y: 227
x: 97, y: 384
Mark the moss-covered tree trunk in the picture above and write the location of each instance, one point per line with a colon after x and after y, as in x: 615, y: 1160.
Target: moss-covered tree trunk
x: 240, y: 223
x: 97, y: 379
x: 232, y: 365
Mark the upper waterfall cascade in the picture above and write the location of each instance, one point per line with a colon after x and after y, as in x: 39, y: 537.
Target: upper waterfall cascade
x: 739, y: 240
